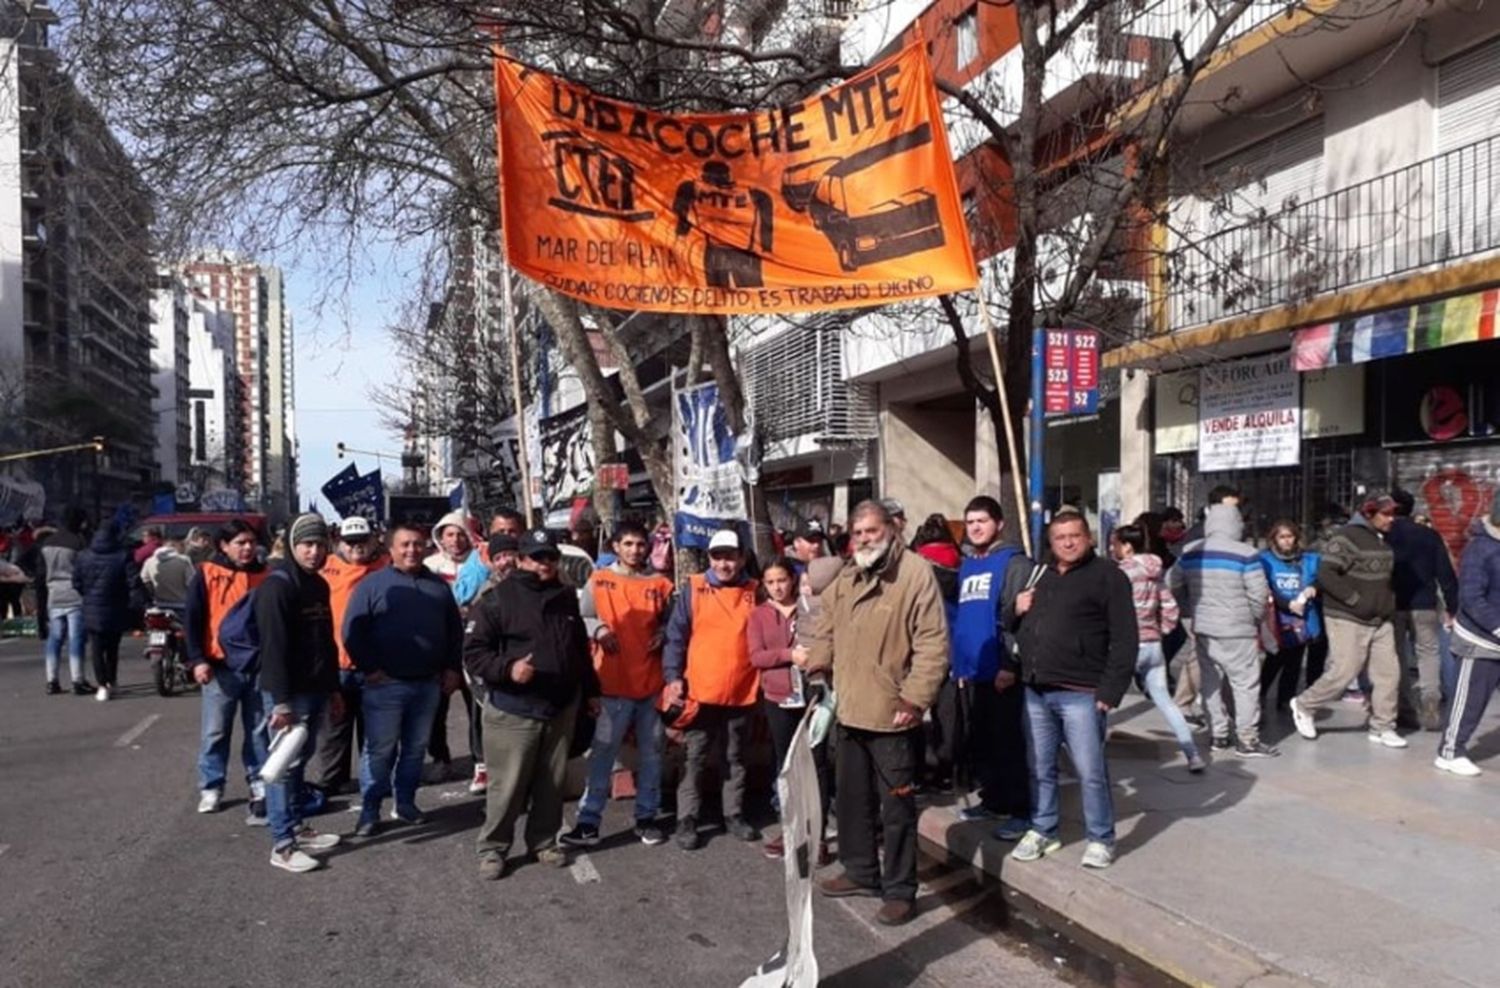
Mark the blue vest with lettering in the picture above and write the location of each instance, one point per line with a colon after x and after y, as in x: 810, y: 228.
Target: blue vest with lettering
x: 977, y: 640
x: 1287, y: 579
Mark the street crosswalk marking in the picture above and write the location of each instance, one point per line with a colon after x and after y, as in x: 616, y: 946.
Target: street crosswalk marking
x: 584, y: 872
x: 129, y: 737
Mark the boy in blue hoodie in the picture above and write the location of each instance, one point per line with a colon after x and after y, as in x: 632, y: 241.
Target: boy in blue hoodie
x: 978, y: 712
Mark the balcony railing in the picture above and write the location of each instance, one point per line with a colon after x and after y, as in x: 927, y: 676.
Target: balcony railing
x: 1192, y: 19
x: 1438, y: 210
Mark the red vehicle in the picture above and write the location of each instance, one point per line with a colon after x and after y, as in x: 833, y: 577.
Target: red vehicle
x: 177, y: 526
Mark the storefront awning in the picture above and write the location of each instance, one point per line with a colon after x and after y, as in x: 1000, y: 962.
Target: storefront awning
x: 1393, y: 332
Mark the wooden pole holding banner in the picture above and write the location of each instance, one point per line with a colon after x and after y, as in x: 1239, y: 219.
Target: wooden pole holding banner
x: 1010, y: 430
x: 523, y: 455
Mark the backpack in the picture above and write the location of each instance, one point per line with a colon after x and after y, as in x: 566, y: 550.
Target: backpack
x: 238, y: 635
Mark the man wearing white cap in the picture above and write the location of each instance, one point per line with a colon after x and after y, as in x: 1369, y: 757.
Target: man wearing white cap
x: 707, y: 659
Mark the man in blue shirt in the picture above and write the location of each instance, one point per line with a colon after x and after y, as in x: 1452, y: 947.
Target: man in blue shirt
x: 405, y: 637
x: 978, y: 714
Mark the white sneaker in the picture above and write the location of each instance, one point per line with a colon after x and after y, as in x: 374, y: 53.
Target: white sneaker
x: 1388, y: 738
x: 102, y: 694
x: 481, y: 781
x: 293, y: 860
x: 1458, y: 766
x: 1303, y: 721
x: 1097, y: 854
x: 311, y: 840
x: 208, y: 801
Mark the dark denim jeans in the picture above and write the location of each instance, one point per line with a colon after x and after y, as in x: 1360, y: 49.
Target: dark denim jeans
x: 227, y: 691
x: 398, y: 719
x: 284, y: 796
x: 1052, y: 718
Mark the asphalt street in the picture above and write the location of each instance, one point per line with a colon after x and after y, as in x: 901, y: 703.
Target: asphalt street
x: 110, y: 877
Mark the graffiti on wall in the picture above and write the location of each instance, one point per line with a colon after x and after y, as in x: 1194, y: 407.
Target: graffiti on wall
x: 1453, y: 487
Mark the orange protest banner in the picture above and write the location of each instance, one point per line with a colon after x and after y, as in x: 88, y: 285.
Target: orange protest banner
x: 844, y: 199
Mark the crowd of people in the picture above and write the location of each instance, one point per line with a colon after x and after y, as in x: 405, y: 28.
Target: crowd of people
x: 951, y: 660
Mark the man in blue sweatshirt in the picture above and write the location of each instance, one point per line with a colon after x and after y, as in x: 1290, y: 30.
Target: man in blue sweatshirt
x: 978, y: 716
x: 405, y: 637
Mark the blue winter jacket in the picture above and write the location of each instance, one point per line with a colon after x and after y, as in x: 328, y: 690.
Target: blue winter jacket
x: 108, y: 580
x: 1479, y: 588
x: 1288, y: 578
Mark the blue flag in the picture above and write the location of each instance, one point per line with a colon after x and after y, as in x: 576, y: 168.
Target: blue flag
x: 364, y: 496
x: 340, y: 480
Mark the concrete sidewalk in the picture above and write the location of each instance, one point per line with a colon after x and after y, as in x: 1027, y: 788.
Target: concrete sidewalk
x: 1339, y: 863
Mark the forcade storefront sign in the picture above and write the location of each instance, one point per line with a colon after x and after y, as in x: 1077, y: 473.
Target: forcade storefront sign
x: 1249, y: 414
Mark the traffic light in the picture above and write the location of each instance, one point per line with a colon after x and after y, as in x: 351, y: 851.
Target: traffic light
x: 340, y: 448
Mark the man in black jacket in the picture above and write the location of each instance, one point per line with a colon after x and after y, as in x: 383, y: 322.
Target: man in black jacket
x: 526, y: 644
x: 1423, y: 569
x: 299, y: 672
x: 1078, y: 637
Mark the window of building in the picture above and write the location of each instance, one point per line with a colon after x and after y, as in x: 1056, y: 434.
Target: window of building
x: 966, y: 36
x: 200, y: 431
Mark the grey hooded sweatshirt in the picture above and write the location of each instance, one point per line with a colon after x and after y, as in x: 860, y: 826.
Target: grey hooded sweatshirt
x: 1219, y: 581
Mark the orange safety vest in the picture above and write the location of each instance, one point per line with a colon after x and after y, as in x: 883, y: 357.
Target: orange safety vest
x: 718, y: 655
x: 635, y: 609
x: 223, y: 586
x: 343, y: 576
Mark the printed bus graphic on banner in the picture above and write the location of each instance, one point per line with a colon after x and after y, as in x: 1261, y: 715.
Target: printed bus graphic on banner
x: 833, y: 191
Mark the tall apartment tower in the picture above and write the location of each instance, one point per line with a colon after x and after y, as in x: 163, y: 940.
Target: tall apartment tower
x: 76, y: 277
x: 255, y: 295
x: 171, y: 309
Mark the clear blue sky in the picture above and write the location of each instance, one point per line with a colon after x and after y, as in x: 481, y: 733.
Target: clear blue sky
x: 343, y: 350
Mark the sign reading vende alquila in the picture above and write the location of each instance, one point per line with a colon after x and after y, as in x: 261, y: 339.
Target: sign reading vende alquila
x: 844, y: 199
x: 1249, y: 414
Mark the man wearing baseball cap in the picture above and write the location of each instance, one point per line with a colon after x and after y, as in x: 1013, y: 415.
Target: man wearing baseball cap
x: 359, y: 554
x: 808, y: 543
x: 1355, y: 580
x: 526, y: 645
x: 707, y: 658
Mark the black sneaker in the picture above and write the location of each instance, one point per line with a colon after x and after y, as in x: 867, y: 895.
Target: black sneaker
x: 687, y: 834
x: 84, y: 688
x: 52, y: 688
x: 582, y: 835
x: 1257, y: 750
x: 256, y: 817
x: 649, y: 833
x: 740, y: 828
x: 1221, y: 744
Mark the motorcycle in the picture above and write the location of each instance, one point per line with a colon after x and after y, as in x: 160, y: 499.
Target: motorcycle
x: 166, y: 652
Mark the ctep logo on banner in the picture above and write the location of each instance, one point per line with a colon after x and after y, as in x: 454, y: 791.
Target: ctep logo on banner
x: 1071, y: 359
x: 1250, y: 414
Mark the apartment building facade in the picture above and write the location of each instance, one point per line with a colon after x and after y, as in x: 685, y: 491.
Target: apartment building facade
x: 263, y: 346
x: 75, y: 279
x: 1350, y: 249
